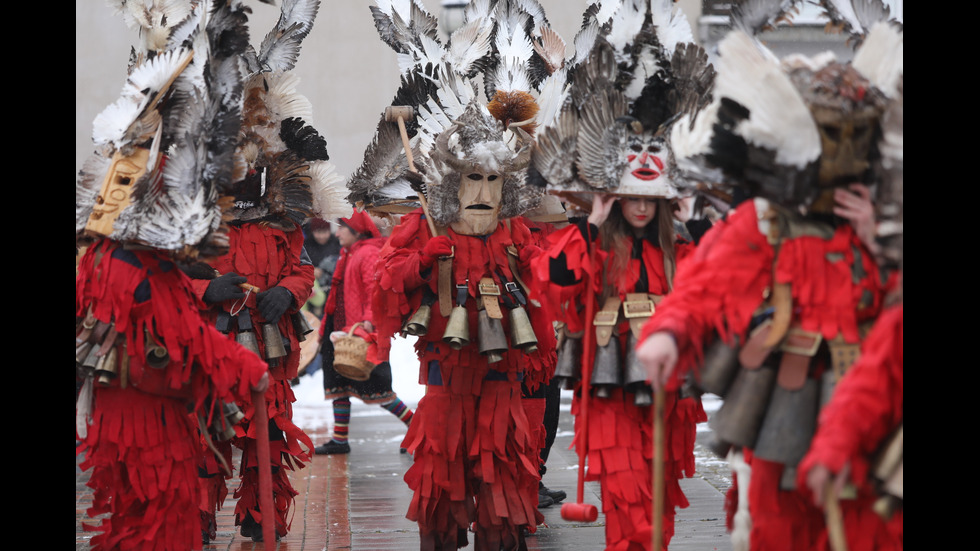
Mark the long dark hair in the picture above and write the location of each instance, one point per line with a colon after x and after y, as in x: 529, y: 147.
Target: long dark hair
x: 613, y: 236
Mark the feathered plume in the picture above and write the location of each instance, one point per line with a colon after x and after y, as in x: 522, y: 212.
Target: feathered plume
x: 857, y: 17
x: 281, y: 46
x: 762, y: 134
x: 641, y: 73
x: 281, y: 156
x: 170, y: 133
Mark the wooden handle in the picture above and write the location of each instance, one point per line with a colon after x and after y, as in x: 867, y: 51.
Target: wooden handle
x: 835, y: 520
x: 658, y: 469
x: 249, y: 287
x: 266, y: 505
x: 411, y: 166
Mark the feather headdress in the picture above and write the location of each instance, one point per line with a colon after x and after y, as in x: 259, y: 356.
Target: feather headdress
x: 641, y: 72
x: 164, y: 148
x: 283, y: 175
x: 521, y: 60
x: 769, y: 132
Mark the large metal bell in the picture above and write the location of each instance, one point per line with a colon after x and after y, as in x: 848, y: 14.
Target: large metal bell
x: 302, y: 326
x: 635, y: 378
x: 107, y: 368
x: 569, y: 366
x: 248, y: 340
x: 738, y: 420
x: 457, y: 333
x: 521, y: 332
x: 492, y: 340
x: 418, y: 324
x: 719, y: 368
x: 272, y: 338
x: 607, y: 370
x: 790, y: 422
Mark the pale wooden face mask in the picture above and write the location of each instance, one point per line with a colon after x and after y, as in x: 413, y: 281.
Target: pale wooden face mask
x: 117, y: 190
x: 480, y: 194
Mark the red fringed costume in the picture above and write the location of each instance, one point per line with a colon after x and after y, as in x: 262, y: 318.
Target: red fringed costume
x: 866, y: 408
x: 621, y: 459
x: 268, y: 257
x: 535, y: 403
x: 835, y: 285
x: 142, y: 446
x: 476, y: 457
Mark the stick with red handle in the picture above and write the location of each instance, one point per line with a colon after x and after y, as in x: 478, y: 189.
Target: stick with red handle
x: 261, y: 420
x: 581, y: 511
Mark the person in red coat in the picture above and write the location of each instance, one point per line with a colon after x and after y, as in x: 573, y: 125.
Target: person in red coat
x: 271, y: 258
x: 475, y: 454
x: 865, y: 411
x: 786, y: 285
x: 859, y: 445
x: 255, y: 291
x: 622, y: 255
x: 349, y: 304
x: 156, y: 375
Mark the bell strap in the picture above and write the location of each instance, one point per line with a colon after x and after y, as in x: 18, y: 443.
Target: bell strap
x: 445, y: 286
x: 605, y: 320
x: 798, y: 348
x: 490, y: 296
x: 637, y: 308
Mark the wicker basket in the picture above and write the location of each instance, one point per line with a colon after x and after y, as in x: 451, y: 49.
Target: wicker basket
x: 350, y: 356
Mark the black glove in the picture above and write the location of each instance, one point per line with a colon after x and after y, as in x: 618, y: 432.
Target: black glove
x: 273, y: 303
x: 224, y: 287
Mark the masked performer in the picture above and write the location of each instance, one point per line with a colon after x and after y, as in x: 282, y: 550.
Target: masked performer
x: 857, y: 452
x: 282, y: 167
x: 349, y: 307
x: 453, y: 272
x: 772, y: 308
x: 148, y: 199
x: 622, y: 259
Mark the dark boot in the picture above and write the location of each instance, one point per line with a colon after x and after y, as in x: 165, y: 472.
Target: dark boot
x: 556, y: 495
x: 332, y: 447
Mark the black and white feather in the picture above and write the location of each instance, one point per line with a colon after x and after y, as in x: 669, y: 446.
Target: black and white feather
x: 641, y: 72
x: 281, y: 46
x: 180, y: 104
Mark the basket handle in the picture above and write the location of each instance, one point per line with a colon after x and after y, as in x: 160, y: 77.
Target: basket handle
x: 353, y: 327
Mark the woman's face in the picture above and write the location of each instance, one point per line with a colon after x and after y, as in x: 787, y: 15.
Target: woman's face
x: 346, y: 236
x: 637, y: 211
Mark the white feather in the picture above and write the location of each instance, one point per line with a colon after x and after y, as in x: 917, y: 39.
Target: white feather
x: 469, y: 43
x: 881, y: 58
x: 646, y: 66
x: 552, y: 96
x: 626, y: 23
x: 779, y: 119
x: 329, y: 191
x: 83, y: 409
x: 742, y: 519
x: 607, y: 10
x: 111, y: 125
x: 672, y: 25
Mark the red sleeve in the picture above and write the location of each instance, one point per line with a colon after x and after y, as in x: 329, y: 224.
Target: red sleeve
x: 566, y: 301
x: 398, y: 277
x: 717, y: 287
x: 867, y: 403
x: 299, y: 280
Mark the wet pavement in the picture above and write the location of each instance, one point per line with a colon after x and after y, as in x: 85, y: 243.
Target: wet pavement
x: 358, y: 501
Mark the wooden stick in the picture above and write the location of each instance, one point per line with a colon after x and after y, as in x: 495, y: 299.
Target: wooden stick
x: 411, y: 166
x: 835, y: 520
x: 658, y: 469
x: 266, y: 504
